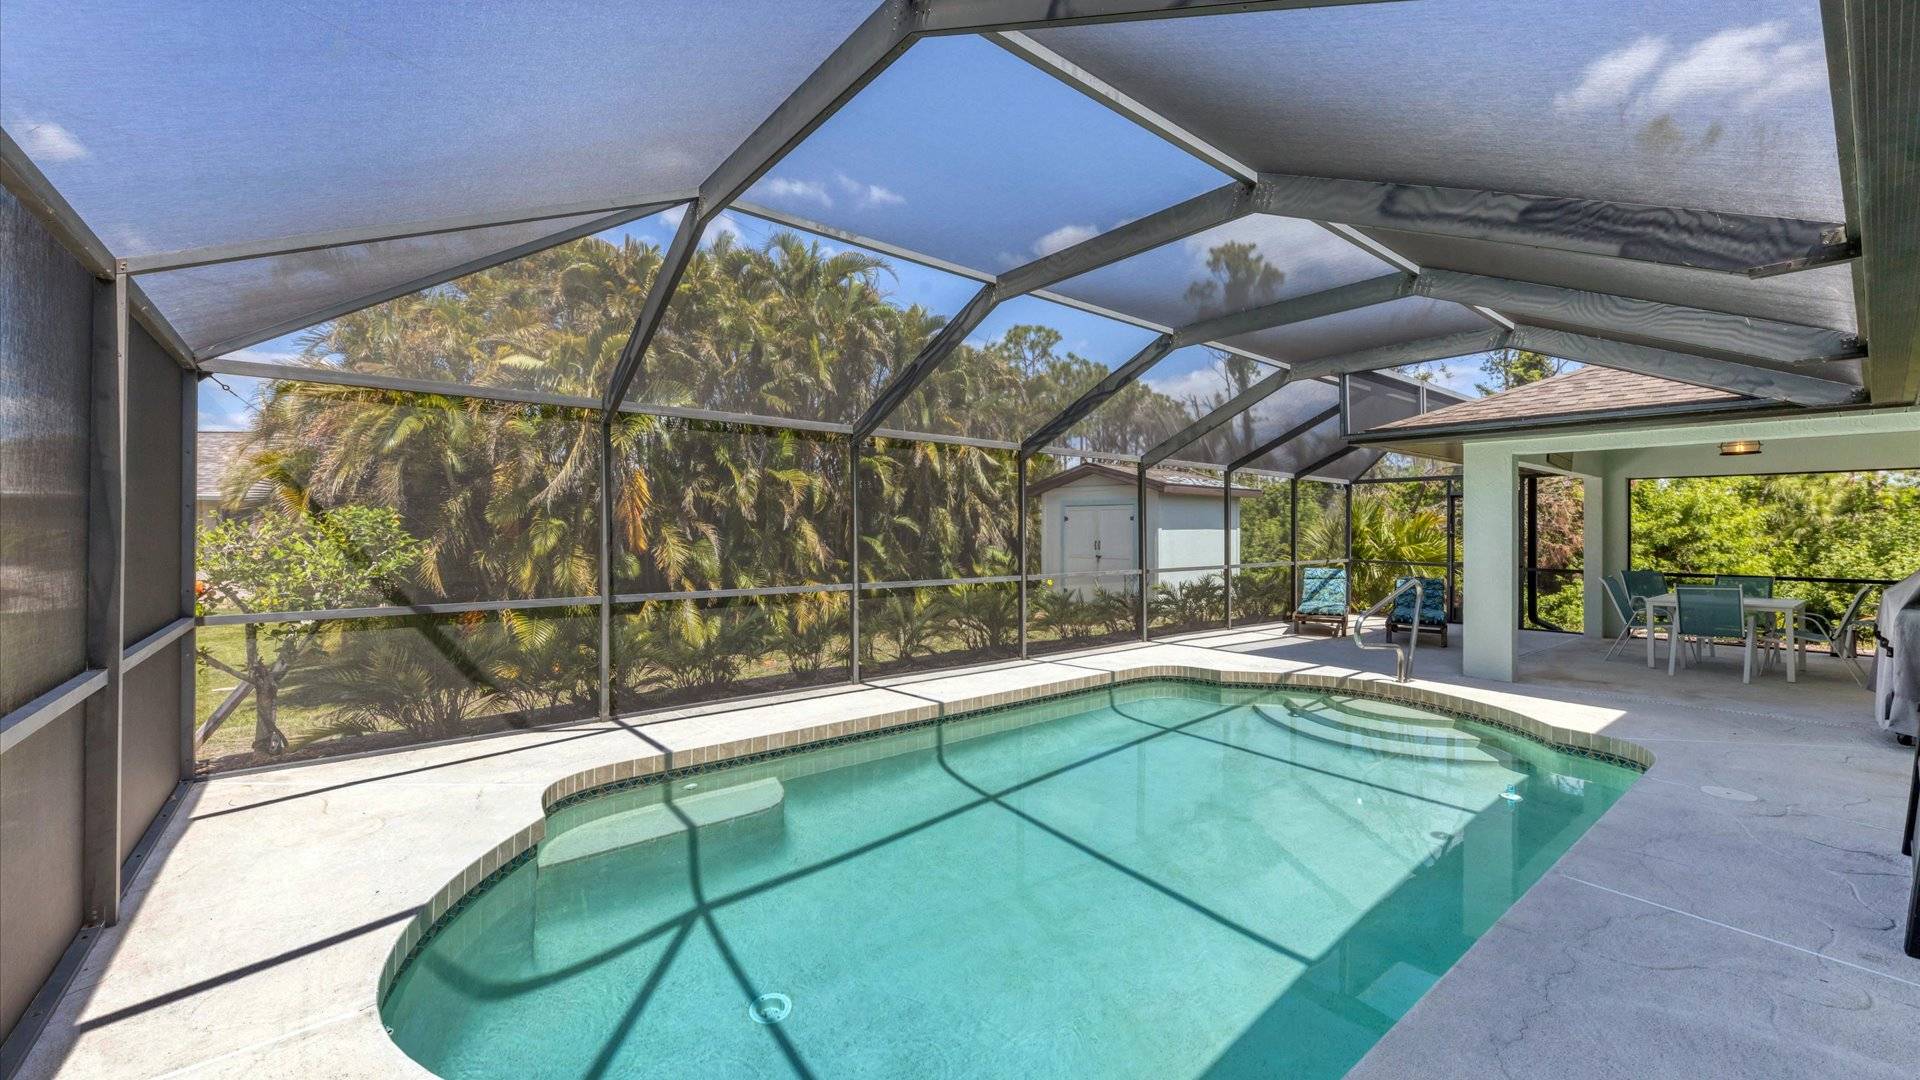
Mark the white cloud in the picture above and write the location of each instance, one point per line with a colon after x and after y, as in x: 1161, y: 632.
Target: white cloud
x: 260, y: 355
x: 1200, y: 384
x: 672, y: 215
x: 1063, y: 237
x: 721, y: 225
x: 1753, y: 64
x: 1611, y: 79
x: 791, y: 190
x: 49, y: 141
x: 865, y: 195
x: 1745, y: 66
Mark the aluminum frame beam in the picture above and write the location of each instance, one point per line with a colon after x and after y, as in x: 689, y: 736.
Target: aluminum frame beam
x: 1703, y: 240
x: 1331, y: 412
x: 857, y: 61
x: 1873, y: 51
x: 1360, y: 294
x: 1332, y: 301
x: 1411, y: 352
x: 1117, y: 380
x: 1177, y: 222
x: 1750, y: 380
x: 101, y: 723
x: 673, y: 263
x: 214, y: 255
x: 1306, y: 473
x: 908, y: 379
x: 1605, y: 313
x: 426, y: 281
x: 21, y: 176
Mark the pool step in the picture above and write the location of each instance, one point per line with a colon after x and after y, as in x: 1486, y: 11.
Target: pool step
x: 655, y: 821
x: 1368, y: 723
x: 1464, y: 751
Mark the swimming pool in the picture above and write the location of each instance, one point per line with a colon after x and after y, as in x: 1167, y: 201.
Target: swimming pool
x: 1162, y: 879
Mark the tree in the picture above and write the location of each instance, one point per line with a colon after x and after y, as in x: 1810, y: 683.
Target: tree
x: 1509, y: 368
x: 289, y: 561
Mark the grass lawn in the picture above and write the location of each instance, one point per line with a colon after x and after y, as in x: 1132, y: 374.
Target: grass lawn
x: 235, y: 736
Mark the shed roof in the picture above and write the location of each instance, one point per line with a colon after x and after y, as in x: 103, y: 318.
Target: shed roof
x: 1164, y: 481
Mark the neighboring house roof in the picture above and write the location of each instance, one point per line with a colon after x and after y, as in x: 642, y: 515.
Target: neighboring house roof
x: 1586, y: 390
x: 1164, y: 481
x: 216, y: 453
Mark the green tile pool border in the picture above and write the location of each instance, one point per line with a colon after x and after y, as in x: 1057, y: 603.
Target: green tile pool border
x: 460, y: 892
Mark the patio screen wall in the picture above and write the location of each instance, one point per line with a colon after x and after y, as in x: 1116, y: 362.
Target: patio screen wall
x: 1821, y: 536
x: 93, y: 743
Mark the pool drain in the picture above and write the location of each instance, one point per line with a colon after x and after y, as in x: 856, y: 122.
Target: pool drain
x: 769, y: 1008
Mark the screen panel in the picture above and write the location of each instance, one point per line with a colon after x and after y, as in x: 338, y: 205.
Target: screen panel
x: 701, y: 505
x: 46, y: 334
x: 154, y: 499
x: 965, y: 152
x: 353, y: 685
x: 1285, y: 409
x: 1245, y: 263
x: 935, y: 511
x: 772, y: 321
x: 1410, y: 318
x: 1026, y: 361
x: 218, y: 307
x: 394, y: 498
x: 682, y: 652
x: 1709, y: 104
x: 553, y: 321
x: 229, y: 92
x: 933, y: 627
x: 1180, y: 388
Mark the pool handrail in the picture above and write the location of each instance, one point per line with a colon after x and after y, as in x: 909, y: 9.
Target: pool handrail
x: 1403, y: 658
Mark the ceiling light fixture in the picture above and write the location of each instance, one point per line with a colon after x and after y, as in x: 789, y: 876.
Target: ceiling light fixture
x: 1739, y: 448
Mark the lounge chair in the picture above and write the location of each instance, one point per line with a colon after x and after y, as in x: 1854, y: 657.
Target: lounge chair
x: 1323, y: 597
x: 1433, y: 609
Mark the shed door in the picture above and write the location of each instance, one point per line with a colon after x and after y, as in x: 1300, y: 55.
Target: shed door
x: 1098, y: 538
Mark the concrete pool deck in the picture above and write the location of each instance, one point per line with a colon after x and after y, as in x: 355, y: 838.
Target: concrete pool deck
x: 1751, y: 930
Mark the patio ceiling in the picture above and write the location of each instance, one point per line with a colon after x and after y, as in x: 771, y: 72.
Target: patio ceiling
x: 1707, y: 190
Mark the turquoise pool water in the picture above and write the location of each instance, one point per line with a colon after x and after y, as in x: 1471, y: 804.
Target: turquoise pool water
x: 1161, y: 880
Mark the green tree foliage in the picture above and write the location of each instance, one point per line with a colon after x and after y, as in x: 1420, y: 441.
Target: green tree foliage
x: 1826, y: 525
x: 1508, y: 368
x: 289, y: 560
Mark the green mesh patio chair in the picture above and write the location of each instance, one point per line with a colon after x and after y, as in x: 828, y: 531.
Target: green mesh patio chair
x: 1842, y: 637
x: 1433, y: 609
x: 1644, y: 583
x: 1748, y: 584
x: 1323, y: 597
x: 1702, y: 615
x: 1631, y: 609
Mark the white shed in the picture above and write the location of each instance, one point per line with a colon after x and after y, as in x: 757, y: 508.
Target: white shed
x: 1087, y: 525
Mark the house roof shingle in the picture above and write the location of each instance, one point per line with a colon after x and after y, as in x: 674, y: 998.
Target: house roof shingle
x: 1586, y: 390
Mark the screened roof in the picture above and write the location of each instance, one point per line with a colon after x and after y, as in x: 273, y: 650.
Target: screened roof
x: 1089, y: 226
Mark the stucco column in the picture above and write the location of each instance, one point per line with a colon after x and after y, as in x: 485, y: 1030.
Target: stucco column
x: 1593, y: 556
x: 1490, y: 507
